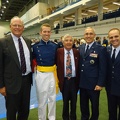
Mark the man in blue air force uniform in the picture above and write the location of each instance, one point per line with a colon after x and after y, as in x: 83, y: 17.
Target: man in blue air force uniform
x: 92, y: 75
x: 113, y: 74
x: 44, y: 53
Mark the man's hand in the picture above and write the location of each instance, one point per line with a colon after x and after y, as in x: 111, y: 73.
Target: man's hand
x: 3, y: 91
x: 98, y: 88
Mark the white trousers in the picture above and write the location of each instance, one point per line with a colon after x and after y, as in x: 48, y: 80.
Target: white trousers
x: 46, y: 94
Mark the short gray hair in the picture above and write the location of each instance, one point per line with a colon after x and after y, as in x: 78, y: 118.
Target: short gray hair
x: 67, y: 35
x: 16, y: 17
x: 91, y: 29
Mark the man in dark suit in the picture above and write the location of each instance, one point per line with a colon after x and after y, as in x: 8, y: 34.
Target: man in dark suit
x: 60, y: 43
x: 92, y: 74
x: 105, y: 42
x: 113, y: 74
x: 68, y: 75
x: 15, y: 71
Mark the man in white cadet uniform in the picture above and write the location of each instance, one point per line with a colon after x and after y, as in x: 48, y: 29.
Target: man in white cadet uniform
x: 44, y: 53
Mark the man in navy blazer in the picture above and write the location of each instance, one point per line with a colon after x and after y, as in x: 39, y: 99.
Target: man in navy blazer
x: 68, y: 85
x: 92, y: 74
x: 113, y: 74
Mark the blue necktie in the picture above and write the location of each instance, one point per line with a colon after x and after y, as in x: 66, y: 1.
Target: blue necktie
x: 87, y: 50
x: 113, y: 56
x: 22, y: 56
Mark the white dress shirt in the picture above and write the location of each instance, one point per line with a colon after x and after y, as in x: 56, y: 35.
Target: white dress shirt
x: 89, y: 45
x: 116, y: 52
x: 26, y: 52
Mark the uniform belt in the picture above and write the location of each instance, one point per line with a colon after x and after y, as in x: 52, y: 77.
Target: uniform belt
x: 50, y: 69
x: 70, y: 78
x: 46, y: 68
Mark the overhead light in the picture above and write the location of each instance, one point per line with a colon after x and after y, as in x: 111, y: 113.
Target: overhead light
x: 115, y: 3
x: 70, y: 18
x: 92, y: 11
x: 7, y: 1
x: 64, y: 20
x: 84, y: 13
x: 73, y: 16
x: 105, y: 8
x: 2, y: 11
x: 4, y: 7
x: 109, y: 10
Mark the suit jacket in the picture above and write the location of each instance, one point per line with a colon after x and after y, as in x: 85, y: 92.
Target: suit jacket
x: 113, y: 74
x: 92, y: 66
x: 10, y: 71
x: 60, y: 66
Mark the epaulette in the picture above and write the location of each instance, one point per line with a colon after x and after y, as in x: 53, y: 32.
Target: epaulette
x: 54, y: 43
x: 82, y: 44
x: 99, y: 45
x: 109, y: 47
x: 35, y: 43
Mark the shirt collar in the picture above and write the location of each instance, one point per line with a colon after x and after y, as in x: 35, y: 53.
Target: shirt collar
x: 117, y: 49
x: 67, y: 51
x: 89, y: 44
x: 43, y: 41
x: 14, y: 37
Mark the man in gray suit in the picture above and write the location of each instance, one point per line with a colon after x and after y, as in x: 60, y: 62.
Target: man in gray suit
x: 113, y: 74
x: 15, y: 71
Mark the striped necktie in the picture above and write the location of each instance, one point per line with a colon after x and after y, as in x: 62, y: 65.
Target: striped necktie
x: 22, y: 56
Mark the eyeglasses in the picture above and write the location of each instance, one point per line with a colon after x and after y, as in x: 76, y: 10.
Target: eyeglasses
x: 19, y: 26
x: 89, y: 33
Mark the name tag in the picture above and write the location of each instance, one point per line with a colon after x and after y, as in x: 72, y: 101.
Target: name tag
x: 93, y: 55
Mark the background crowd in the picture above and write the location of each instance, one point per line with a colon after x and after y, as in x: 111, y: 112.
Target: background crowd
x: 87, y: 64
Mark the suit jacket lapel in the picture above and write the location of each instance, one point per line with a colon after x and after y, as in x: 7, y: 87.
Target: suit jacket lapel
x: 27, y: 43
x: 12, y: 49
x: 109, y: 50
x: 62, y: 58
x: 91, y: 49
x: 117, y: 58
x: 63, y: 52
x: 75, y: 58
x: 82, y: 50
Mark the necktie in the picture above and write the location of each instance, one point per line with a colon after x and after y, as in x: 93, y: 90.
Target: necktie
x: 113, y: 56
x: 87, y: 50
x: 22, y: 56
x: 68, y: 66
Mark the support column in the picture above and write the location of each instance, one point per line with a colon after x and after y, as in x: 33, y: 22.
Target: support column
x: 100, y: 10
x: 78, y: 16
x: 51, y: 22
x: 61, y: 21
x: 51, y: 3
